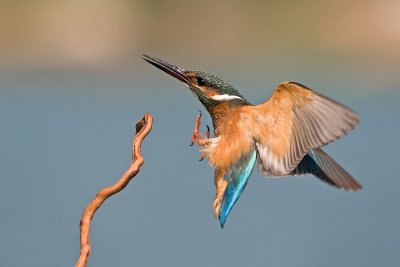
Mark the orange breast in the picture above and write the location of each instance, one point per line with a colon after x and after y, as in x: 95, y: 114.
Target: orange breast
x: 234, y: 137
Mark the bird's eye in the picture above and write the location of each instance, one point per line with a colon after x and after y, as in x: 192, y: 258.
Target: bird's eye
x: 200, y: 81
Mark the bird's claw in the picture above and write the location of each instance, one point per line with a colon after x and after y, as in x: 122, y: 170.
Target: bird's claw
x: 197, y: 136
x: 203, y: 155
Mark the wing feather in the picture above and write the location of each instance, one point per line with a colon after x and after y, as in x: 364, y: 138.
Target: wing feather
x: 320, y: 164
x: 296, y: 120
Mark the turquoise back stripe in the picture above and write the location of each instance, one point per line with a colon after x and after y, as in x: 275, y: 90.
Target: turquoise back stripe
x: 237, y: 183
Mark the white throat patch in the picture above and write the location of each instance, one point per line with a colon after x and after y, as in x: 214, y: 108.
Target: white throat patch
x: 225, y: 97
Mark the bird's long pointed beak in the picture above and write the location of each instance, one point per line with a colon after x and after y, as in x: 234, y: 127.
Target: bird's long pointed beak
x: 169, y: 68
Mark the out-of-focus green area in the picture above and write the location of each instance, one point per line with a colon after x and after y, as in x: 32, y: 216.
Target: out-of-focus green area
x: 99, y: 34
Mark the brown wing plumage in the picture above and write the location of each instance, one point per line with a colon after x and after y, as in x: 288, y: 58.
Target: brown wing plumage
x: 292, y: 122
x: 320, y: 164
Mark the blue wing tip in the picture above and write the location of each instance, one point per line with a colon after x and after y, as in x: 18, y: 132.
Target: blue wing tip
x: 233, y: 191
x: 222, y: 220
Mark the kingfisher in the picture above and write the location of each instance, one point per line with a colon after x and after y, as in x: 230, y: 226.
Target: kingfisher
x: 283, y: 135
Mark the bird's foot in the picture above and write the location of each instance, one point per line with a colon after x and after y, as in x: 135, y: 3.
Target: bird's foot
x: 217, y: 207
x: 201, y: 141
x: 220, y: 187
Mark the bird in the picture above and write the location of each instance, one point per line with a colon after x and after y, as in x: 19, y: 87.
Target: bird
x: 284, y: 135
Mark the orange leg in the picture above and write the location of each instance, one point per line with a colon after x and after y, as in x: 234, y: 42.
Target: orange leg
x: 220, y: 187
x: 198, y: 137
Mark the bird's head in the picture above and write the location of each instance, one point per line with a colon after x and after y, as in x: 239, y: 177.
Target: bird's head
x: 208, y: 88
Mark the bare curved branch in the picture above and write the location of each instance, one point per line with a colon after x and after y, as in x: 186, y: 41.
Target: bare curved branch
x: 143, y: 127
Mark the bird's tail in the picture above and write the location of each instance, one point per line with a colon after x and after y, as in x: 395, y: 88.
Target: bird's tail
x: 320, y: 164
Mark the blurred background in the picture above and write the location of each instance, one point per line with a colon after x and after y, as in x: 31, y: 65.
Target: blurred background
x: 73, y: 84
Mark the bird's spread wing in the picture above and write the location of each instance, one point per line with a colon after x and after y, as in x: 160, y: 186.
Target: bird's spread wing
x: 237, y: 177
x: 320, y: 164
x: 294, y: 121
